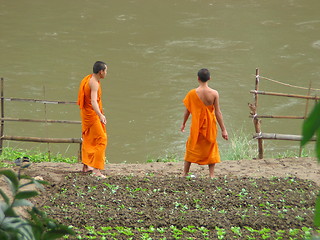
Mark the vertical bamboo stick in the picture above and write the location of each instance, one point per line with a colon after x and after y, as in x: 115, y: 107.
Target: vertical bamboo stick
x: 46, y: 122
x: 2, y: 116
x: 306, y: 113
x: 256, y: 121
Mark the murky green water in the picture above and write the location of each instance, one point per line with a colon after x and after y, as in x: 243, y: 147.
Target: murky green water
x: 154, y: 50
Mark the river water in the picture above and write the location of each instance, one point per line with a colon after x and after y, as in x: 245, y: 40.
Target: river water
x: 154, y: 50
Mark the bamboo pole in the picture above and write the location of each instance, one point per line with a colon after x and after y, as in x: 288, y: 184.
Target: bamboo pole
x: 42, y: 140
x: 305, y: 114
x: 256, y: 121
x: 272, y: 116
x: 39, y: 120
x: 2, y: 115
x: 38, y: 101
x: 278, y: 136
x: 284, y: 95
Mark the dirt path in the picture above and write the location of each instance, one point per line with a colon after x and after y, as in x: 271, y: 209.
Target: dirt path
x: 304, y: 168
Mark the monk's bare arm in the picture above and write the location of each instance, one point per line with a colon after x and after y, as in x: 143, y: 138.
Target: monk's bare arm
x: 94, y: 86
x: 219, y: 117
x: 185, y: 119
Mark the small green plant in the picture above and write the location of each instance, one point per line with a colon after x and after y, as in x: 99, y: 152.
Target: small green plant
x: 221, y: 232
x: 34, y: 156
x: 236, y: 230
x: 12, y: 225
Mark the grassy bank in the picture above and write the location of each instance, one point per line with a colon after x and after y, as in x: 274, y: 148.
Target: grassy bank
x: 240, y: 146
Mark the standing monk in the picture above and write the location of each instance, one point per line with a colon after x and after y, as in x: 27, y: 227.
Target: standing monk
x: 203, y: 104
x: 94, y: 135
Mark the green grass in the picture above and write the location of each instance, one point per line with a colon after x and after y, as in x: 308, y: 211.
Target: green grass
x: 10, y: 154
x: 167, y: 158
x: 241, y: 146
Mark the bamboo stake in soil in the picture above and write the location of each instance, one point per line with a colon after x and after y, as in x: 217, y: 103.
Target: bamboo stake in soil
x: 2, y: 115
x: 256, y: 121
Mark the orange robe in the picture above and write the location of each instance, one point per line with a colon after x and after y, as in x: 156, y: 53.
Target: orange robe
x: 94, y: 135
x: 202, y: 146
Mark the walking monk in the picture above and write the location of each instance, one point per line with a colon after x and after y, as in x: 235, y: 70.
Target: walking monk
x: 203, y: 104
x: 94, y: 135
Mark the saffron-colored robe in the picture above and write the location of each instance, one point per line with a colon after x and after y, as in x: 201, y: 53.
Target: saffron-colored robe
x: 202, y: 146
x: 94, y: 135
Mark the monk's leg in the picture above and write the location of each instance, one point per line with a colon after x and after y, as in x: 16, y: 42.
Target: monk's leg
x: 186, y: 168
x: 211, y: 170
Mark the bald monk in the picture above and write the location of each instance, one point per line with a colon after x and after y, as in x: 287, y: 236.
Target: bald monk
x: 203, y: 104
x: 94, y: 135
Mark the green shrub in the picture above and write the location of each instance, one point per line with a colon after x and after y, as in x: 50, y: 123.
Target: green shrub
x: 15, y: 227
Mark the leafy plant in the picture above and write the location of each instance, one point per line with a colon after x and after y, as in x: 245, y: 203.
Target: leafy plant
x: 12, y: 225
x: 311, y: 127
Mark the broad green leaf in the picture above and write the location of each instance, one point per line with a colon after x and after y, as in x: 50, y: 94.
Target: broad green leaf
x: 317, y: 213
x: 12, y: 177
x: 25, y: 177
x: 9, y: 212
x: 2, y: 216
x: 311, y: 124
x: 26, y: 194
x: 4, y: 235
x: 318, y: 145
x: 21, y: 202
x: 4, y: 206
x: 4, y: 196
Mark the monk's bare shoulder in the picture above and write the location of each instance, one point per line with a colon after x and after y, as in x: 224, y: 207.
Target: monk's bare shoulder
x: 213, y: 92
x: 94, y: 85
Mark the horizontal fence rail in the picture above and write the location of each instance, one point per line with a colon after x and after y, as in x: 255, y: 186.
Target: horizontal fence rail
x: 278, y: 136
x: 285, y: 95
x: 43, y: 140
x: 259, y: 135
x: 4, y: 119
x: 37, y: 101
x: 39, y: 120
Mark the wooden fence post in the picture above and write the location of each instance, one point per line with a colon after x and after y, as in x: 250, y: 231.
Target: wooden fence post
x: 256, y: 121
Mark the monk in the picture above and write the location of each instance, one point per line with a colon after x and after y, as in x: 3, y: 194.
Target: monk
x: 94, y: 135
x: 203, y: 104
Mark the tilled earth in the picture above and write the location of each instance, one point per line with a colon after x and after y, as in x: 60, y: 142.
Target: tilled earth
x: 159, y: 207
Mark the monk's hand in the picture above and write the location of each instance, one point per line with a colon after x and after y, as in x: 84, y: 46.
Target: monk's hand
x: 225, y: 135
x: 103, y: 119
x: 182, y: 127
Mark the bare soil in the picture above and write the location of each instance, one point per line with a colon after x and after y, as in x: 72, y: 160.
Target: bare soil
x: 248, y: 199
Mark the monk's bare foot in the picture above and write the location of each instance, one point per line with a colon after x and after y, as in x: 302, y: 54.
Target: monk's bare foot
x: 86, y: 168
x: 97, y: 173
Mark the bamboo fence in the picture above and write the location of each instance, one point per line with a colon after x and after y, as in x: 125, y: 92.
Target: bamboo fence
x: 256, y: 117
x: 48, y: 140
